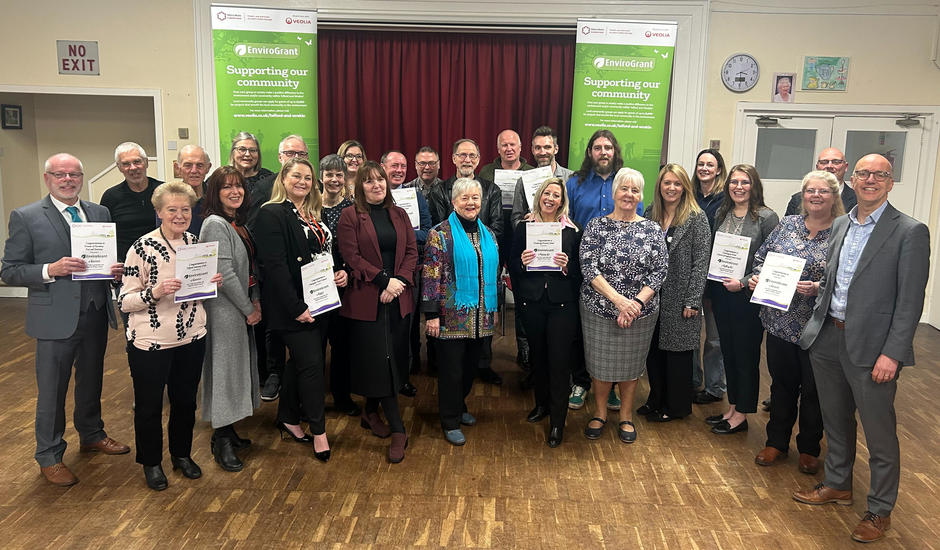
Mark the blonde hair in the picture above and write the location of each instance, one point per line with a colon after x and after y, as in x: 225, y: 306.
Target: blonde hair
x: 687, y: 203
x: 832, y: 183
x: 177, y: 187
x: 562, y: 208
x: 313, y: 202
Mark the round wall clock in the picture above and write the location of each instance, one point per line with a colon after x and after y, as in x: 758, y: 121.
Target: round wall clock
x: 740, y: 72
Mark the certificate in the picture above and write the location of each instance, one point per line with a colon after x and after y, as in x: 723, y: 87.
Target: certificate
x: 729, y: 256
x: 532, y: 179
x: 320, y: 292
x: 777, y: 283
x: 545, y: 239
x: 196, y: 264
x: 506, y: 180
x: 96, y: 243
x: 407, y: 199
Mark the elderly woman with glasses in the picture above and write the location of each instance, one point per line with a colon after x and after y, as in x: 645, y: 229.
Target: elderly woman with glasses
x: 245, y: 156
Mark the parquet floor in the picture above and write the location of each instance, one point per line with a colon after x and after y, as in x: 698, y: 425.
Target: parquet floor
x: 679, y: 486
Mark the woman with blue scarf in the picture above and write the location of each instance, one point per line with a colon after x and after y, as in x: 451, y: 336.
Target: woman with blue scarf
x: 459, y: 301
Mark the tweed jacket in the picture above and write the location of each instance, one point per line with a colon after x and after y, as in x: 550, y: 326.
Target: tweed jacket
x: 684, y: 284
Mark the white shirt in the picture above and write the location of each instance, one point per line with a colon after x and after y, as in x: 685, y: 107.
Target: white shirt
x: 61, y: 206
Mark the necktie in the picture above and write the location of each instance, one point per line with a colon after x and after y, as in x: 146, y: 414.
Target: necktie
x: 73, y: 211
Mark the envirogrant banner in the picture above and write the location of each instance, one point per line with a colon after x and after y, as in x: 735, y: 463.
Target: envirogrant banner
x: 622, y: 74
x: 265, y: 77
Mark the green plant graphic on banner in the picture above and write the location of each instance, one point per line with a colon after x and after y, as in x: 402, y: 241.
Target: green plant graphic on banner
x: 622, y: 75
x: 266, y: 82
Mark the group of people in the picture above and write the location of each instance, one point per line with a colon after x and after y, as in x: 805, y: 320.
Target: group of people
x: 626, y: 296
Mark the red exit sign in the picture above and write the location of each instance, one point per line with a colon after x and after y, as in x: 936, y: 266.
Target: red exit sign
x: 77, y: 57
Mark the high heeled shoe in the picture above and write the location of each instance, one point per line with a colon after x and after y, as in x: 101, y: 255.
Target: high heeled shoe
x: 285, y: 431
x: 322, y: 456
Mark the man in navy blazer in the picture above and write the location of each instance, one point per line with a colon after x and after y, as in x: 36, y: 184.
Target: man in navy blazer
x: 861, y: 333
x: 68, y: 318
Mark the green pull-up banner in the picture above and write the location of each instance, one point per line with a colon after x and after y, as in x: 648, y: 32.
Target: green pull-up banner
x: 265, y: 77
x: 622, y: 74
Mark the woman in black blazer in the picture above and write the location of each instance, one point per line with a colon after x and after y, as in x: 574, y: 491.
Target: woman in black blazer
x: 548, y: 304
x: 290, y: 234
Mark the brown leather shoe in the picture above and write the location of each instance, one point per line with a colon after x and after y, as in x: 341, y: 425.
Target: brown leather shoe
x: 58, y: 474
x: 820, y: 494
x: 768, y: 456
x: 809, y: 464
x: 396, y: 451
x: 871, y: 528
x: 106, y: 446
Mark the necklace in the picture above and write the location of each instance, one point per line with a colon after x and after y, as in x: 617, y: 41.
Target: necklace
x: 736, y: 223
x: 166, y: 240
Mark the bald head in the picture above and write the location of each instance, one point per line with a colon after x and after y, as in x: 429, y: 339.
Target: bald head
x: 62, y: 174
x: 871, y: 180
x: 509, y: 146
x: 832, y: 160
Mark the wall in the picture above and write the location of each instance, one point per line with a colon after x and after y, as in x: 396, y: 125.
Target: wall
x: 19, y: 164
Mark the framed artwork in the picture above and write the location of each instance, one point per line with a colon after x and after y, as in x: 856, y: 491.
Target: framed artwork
x: 783, y: 87
x: 11, y: 117
x: 825, y: 74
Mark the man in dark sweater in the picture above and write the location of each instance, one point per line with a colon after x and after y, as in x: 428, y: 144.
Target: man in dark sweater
x: 129, y: 201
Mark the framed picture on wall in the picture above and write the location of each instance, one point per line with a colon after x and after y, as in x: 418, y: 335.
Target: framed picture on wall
x: 783, y: 87
x: 11, y: 117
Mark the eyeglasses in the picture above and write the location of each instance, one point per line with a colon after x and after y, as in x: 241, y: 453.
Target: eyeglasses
x: 739, y: 183
x: 350, y: 156
x: 426, y: 163
x: 295, y: 154
x: 834, y: 162
x: 191, y: 165
x: 63, y: 175
x: 249, y: 150
x: 822, y: 192
x: 465, y: 156
x: 879, y: 175
x: 136, y: 162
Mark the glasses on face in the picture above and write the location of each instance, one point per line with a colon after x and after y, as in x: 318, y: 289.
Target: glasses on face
x: 821, y: 192
x: 350, y: 156
x: 193, y: 165
x: 465, y: 156
x: 426, y: 163
x: 62, y: 175
x: 834, y: 162
x: 295, y: 154
x: 739, y: 183
x: 879, y: 175
x: 246, y: 150
x: 138, y: 162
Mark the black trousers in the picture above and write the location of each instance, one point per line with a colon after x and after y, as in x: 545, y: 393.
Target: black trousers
x: 302, y: 383
x: 338, y: 337
x: 457, y: 367
x: 740, y: 331
x: 178, y: 369
x: 670, y: 376
x: 792, y: 393
x: 551, y: 330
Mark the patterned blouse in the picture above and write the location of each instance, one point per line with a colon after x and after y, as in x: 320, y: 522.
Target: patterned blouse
x: 791, y: 237
x: 330, y: 214
x: 630, y: 255
x: 157, y: 323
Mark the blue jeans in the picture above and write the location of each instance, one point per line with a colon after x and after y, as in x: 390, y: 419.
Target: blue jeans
x: 714, y: 366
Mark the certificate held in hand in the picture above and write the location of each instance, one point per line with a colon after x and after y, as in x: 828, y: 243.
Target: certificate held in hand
x: 196, y: 265
x: 407, y: 199
x: 729, y: 257
x: 545, y: 239
x: 778, y: 278
x: 506, y: 180
x: 320, y: 293
x: 96, y: 243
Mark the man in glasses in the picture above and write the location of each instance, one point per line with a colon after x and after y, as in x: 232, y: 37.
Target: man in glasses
x: 129, y: 201
x: 293, y: 146
x: 428, y: 165
x: 860, y: 335
x: 831, y: 160
x: 68, y: 318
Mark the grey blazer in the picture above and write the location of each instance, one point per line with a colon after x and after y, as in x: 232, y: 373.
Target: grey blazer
x: 39, y: 235
x: 886, y: 295
x: 684, y: 284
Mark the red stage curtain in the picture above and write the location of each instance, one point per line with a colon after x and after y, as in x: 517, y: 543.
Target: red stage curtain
x: 402, y: 90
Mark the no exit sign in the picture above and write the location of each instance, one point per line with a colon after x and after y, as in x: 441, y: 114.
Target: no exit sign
x: 77, y: 57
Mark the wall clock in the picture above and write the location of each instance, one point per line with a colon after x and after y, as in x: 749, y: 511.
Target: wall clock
x: 740, y: 72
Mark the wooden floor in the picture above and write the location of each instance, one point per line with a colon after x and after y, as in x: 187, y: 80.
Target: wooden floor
x: 679, y: 486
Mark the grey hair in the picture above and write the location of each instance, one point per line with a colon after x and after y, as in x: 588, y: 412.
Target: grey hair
x: 48, y: 164
x: 629, y: 175
x: 462, y: 185
x: 127, y: 147
x: 333, y: 163
x: 280, y: 146
x: 187, y: 148
x: 466, y: 140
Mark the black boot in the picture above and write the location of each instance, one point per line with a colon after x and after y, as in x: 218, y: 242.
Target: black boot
x: 223, y: 449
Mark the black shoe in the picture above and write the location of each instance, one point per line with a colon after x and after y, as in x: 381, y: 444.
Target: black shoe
x: 490, y: 376
x: 271, y: 388
x: 322, y: 456
x: 714, y: 419
x: 659, y: 416
x: 765, y: 405
x: 555, y: 436
x: 408, y: 390
x: 223, y: 449
x: 155, y: 477
x: 185, y: 464
x: 239, y: 443
x: 704, y: 398
x: 522, y: 357
x: 725, y: 428
x: 307, y: 438
x: 645, y: 410
x: 538, y: 413
x: 350, y: 408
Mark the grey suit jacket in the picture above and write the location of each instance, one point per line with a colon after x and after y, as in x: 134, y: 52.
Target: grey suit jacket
x: 886, y: 295
x: 39, y: 235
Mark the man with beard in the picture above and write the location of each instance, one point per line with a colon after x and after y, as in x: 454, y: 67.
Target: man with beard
x: 544, y: 149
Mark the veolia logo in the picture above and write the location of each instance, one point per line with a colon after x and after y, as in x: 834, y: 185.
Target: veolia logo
x: 241, y: 50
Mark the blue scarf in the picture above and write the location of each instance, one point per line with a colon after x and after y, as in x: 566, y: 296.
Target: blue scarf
x: 466, y: 267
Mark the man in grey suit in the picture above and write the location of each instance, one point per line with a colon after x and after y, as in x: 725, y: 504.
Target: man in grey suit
x: 860, y: 334
x: 69, y: 319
